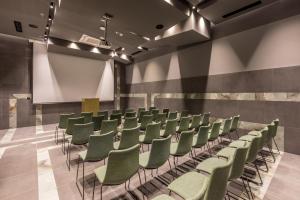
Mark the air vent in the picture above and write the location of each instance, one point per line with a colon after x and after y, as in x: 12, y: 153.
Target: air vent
x: 244, y: 8
x: 135, y: 53
x: 18, y: 26
x: 89, y: 40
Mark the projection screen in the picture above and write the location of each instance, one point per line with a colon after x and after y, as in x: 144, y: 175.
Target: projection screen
x: 65, y: 78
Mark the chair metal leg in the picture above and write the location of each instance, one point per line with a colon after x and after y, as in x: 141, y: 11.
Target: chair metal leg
x: 145, y: 175
x: 55, y: 135
x: 101, y: 191
x: 175, y: 165
x: 140, y: 178
x: 272, y: 153
x: 257, y: 170
x: 264, y: 161
x: 276, y: 145
x: 237, y: 134
x: 94, y: 187
x: 245, y: 187
x: 250, y: 190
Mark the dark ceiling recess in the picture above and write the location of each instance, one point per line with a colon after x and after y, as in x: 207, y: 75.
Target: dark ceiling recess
x: 159, y: 26
x: 252, y: 5
x: 32, y: 26
x: 18, y: 26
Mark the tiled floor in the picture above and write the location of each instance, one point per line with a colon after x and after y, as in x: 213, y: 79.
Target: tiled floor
x: 33, y: 167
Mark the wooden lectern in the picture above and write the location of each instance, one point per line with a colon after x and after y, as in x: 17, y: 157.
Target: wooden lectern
x: 90, y: 105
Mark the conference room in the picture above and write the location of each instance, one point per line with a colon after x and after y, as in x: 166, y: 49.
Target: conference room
x: 149, y: 99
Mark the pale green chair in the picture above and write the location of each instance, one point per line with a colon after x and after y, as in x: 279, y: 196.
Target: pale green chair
x: 108, y: 126
x: 130, y: 122
x: 142, y: 114
x: 196, y: 119
x: 139, y: 111
x: 121, y: 166
x: 97, y: 122
x: 97, y: 150
x: 183, y: 124
x: 157, y: 156
x: 117, y: 112
x: 62, y: 124
x: 161, y: 117
x: 184, y: 113
x: 225, y: 129
x: 146, y: 119
x: 104, y: 113
x: 201, y: 138
x: 129, y: 138
x: 87, y: 116
x: 129, y: 110
x: 274, y: 133
x: 205, y: 119
x: 117, y: 116
x: 155, y: 112
x: 80, y: 136
x: 235, y: 125
x: 152, y: 108
x: 129, y: 114
x: 152, y: 132
x: 172, y: 115
x: 170, y: 128
x: 213, y: 134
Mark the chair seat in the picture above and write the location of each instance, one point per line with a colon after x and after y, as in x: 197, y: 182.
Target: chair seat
x: 82, y: 154
x: 255, y: 133
x: 226, y: 152
x: 116, y: 145
x: 237, y: 144
x: 191, y: 185
x: 100, y: 173
x: 246, y: 137
x: 142, y: 138
x: 173, y: 148
x: 144, y: 158
x: 163, y: 197
x: 210, y: 164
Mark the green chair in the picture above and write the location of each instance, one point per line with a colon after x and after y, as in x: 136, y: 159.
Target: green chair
x: 117, y: 112
x: 117, y: 116
x: 196, y: 119
x: 139, y: 111
x: 70, y: 129
x: 152, y: 132
x: 129, y: 138
x: 62, y: 124
x: 97, y: 122
x: 104, y: 113
x: 183, y: 146
x: 80, y: 136
x: 205, y: 119
x: 121, y: 166
x: 170, y: 128
x: 87, y: 116
x: 198, y: 186
x: 183, y: 124
x: 129, y: 110
x: 234, y: 125
x: 166, y: 110
x: 201, y: 138
x: 225, y: 129
x: 154, y: 112
x: 98, y: 149
x: 274, y: 133
x: 146, y: 119
x: 161, y: 117
x: 213, y: 134
x: 157, y: 156
x: 108, y: 126
x: 129, y: 114
x: 142, y: 114
x: 152, y: 108
x: 172, y: 115
x: 184, y: 113
x: 130, y: 122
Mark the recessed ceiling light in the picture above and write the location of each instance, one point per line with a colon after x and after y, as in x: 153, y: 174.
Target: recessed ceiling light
x: 139, y: 47
x: 146, y: 38
x: 119, y: 34
x: 194, y: 7
x: 51, y: 6
x: 49, y: 18
x: 102, y: 28
x: 133, y: 33
x: 123, y: 49
x: 47, y: 27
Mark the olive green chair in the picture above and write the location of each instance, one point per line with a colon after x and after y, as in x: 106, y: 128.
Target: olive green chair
x: 172, y: 115
x: 274, y: 133
x: 117, y: 116
x: 129, y: 138
x: 130, y: 122
x: 97, y: 122
x: 183, y: 124
x: 184, y: 113
x: 139, y: 111
x: 196, y: 119
x: 161, y: 117
x: 170, y: 128
x: 152, y: 108
x: 152, y: 132
x: 183, y: 146
x: 117, y: 112
x: 129, y: 114
x: 201, y: 138
x: 157, y: 156
x: 62, y: 124
x: 70, y: 129
x: 155, y: 112
x: 205, y: 119
x: 213, y: 134
x: 198, y: 186
x: 87, y: 116
x: 121, y: 166
x: 80, y: 136
x: 109, y: 126
x: 142, y: 114
x: 146, y: 119
x: 225, y: 129
x: 97, y: 150
x: 104, y: 113
x: 234, y: 125
x: 129, y: 110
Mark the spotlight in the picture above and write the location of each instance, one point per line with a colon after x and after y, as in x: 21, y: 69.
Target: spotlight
x: 194, y: 7
x: 139, y: 47
x: 102, y: 28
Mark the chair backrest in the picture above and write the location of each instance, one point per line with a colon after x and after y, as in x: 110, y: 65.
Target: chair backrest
x: 129, y: 110
x: 143, y: 113
x: 170, y: 128
x: 184, y: 113
x: 205, y: 119
x: 139, y: 111
x: 154, y: 112
x: 129, y: 138
x: 226, y: 126
x: 185, y: 142
x: 99, y: 146
x: 254, y: 147
x: 152, y: 108
x: 196, y: 119
x: 235, y: 123
x: 63, y: 118
x: 264, y: 133
x: 87, y: 116
x: 121, y: 165
x: 146, y: 119
x: 82, y: 132
x: 214, y: 134
x: 130, y: 122
x: 184, y: 124
x: 217, y: 182
x: 71, y: 122
x: 159, y: 153
x: 166, y: 110
x: 130, y: 114
x: 276, y: 123
x: 104, y: 113
x: 161, y: 117
x: 172, y: 115
x: 109, y: 126
x: 271, y: 131
x: 97, y: 122
x: 117, y: 112
x: 202, y: 136
x: 117, y: 116
x: 152, y: 132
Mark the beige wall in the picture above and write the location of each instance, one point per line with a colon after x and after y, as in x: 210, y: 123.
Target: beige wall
x: 270, y: 46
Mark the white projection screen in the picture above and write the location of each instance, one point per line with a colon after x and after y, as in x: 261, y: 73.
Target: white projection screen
x: 65, y: 78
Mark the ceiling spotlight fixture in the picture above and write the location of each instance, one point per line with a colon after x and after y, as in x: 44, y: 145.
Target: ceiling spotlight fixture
x: 194, y: 7
x: 146, y: 38
x: 102, y: 28
x: 139, y: 47
x: 119, y: 34
x: 123, y: 49
x: 47, y: 27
